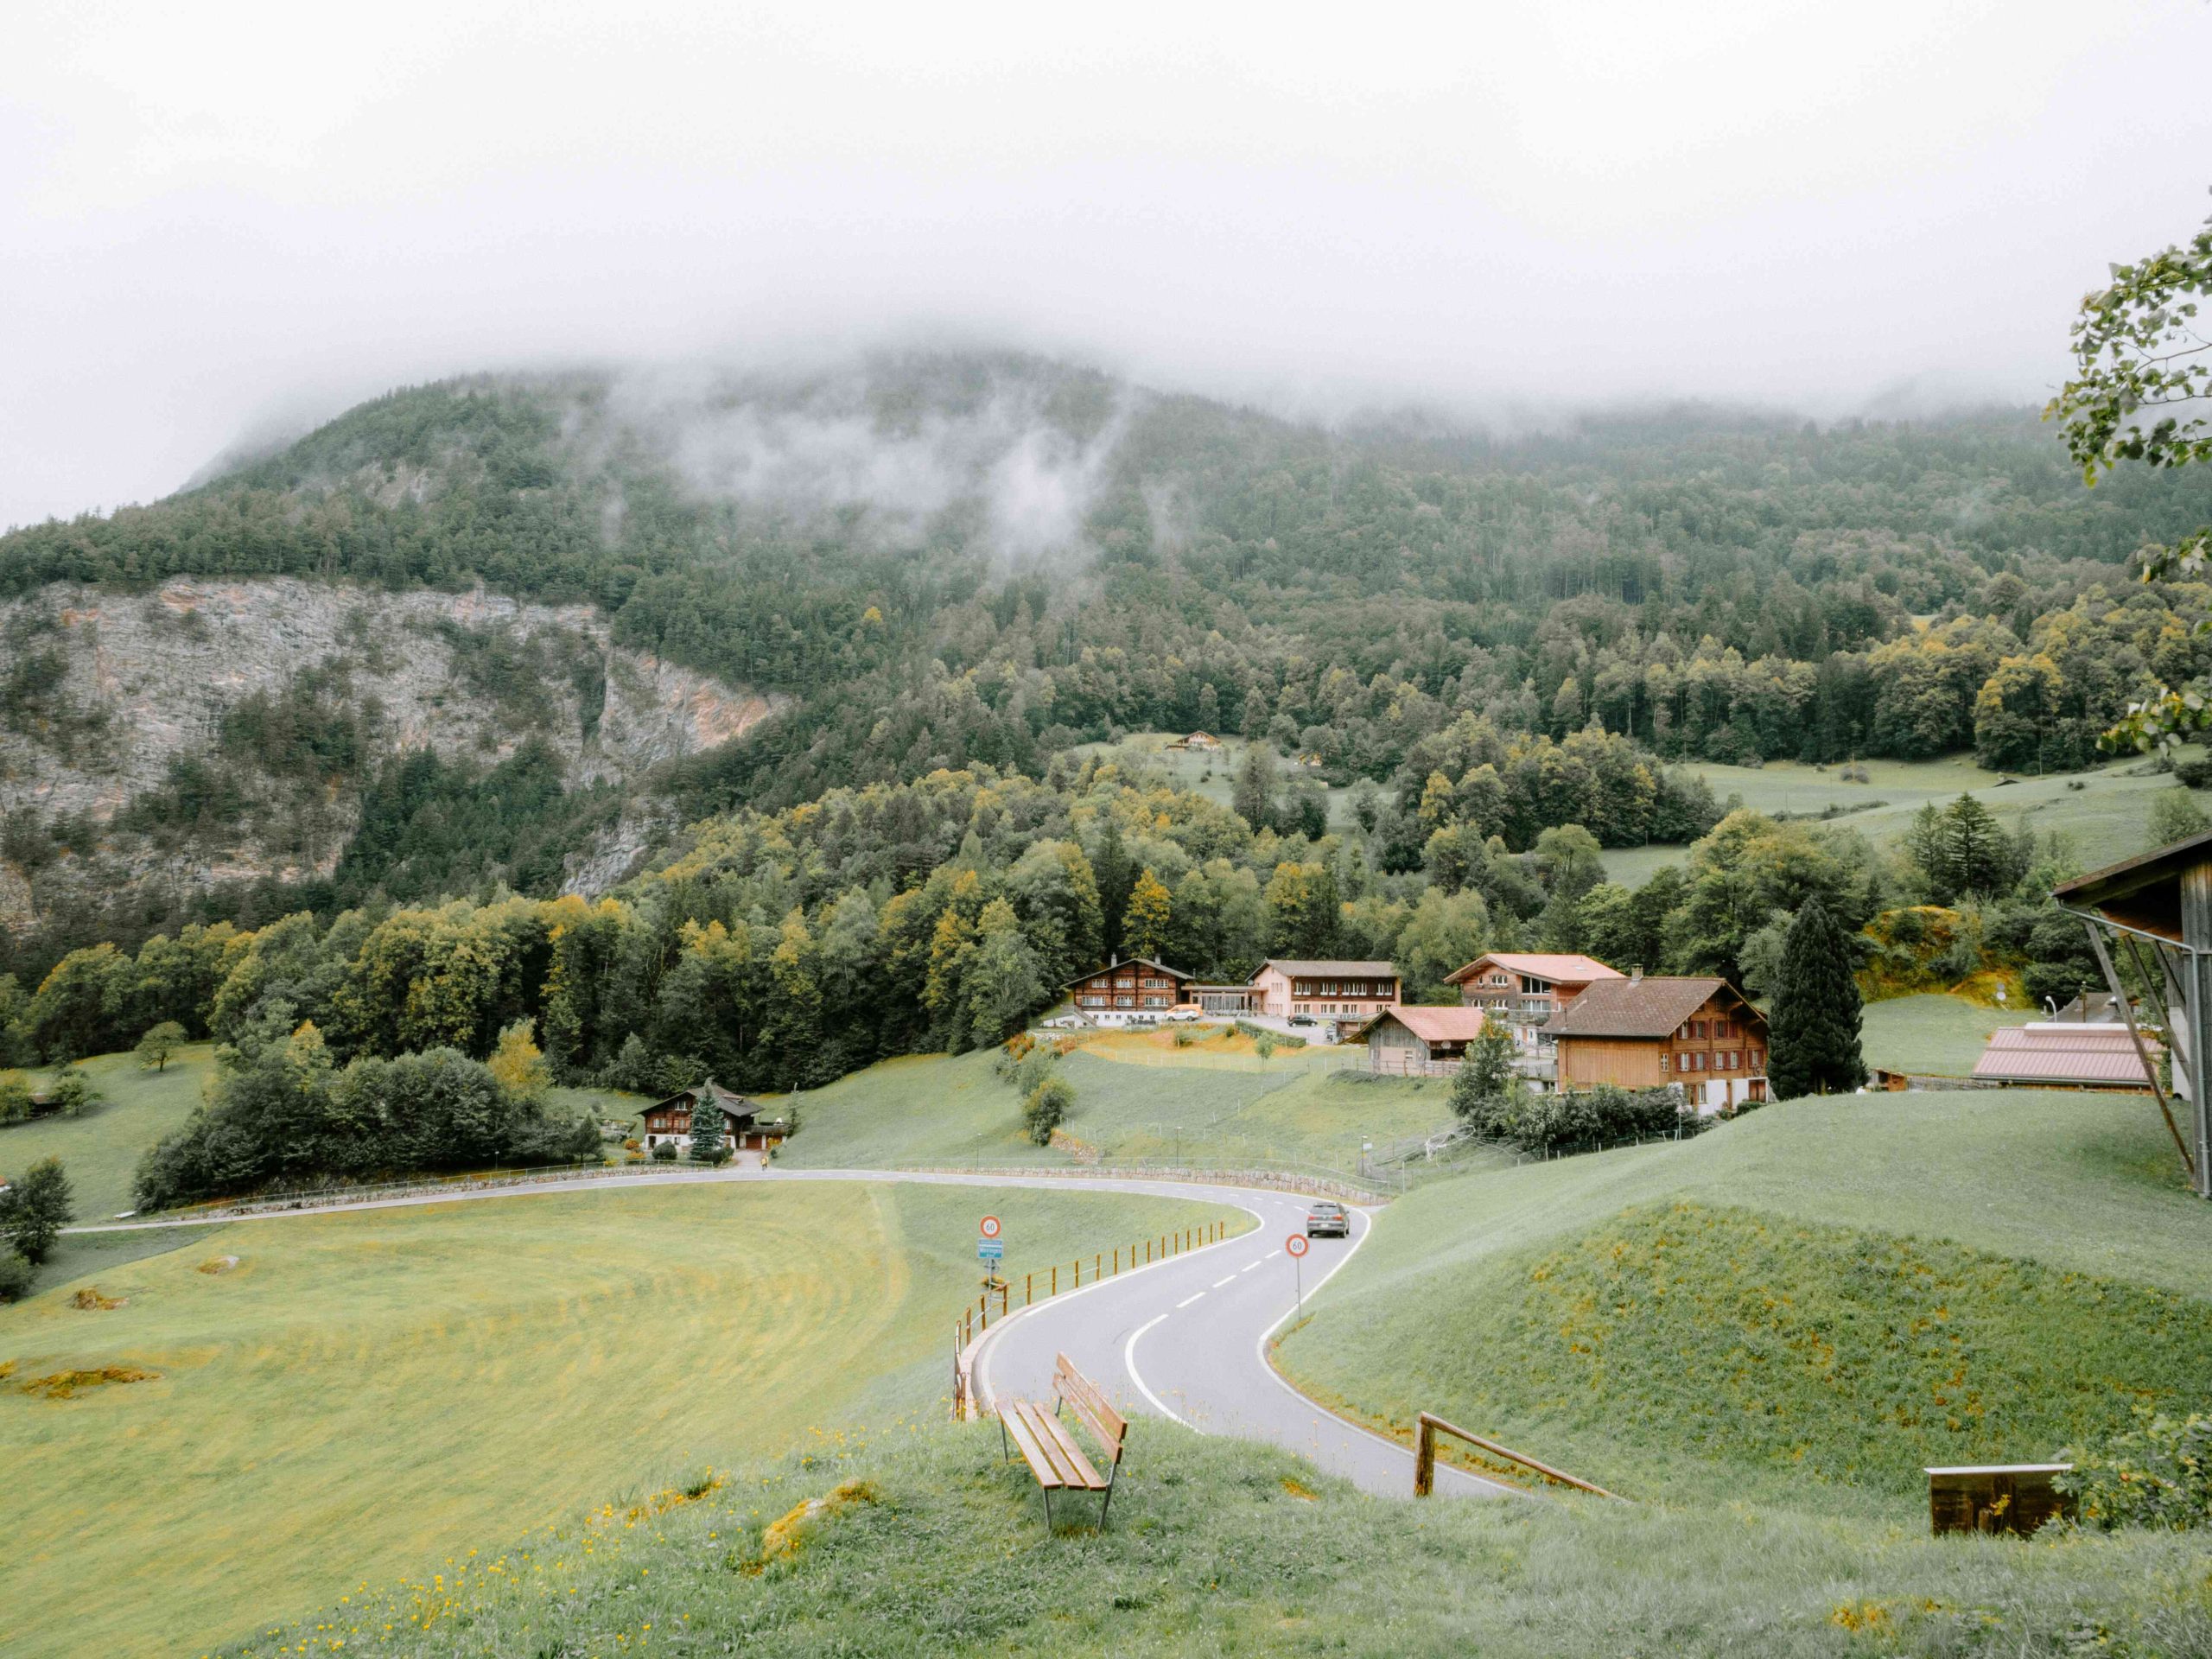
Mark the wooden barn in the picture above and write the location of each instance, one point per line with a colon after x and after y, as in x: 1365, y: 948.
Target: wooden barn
x: 1416, y: 1041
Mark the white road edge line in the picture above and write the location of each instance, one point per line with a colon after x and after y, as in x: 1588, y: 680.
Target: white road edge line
x: 1284, y: 1383
x: 1129, y: 1364
x: 980, y: 1362
x: 1200, y: 1297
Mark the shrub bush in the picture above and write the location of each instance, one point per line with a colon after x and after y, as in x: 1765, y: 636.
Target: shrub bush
x: 15, y: 1277
x: 663, y: 1152
x: 288, y: 1116
x: 1047, y: 1108
x: 1579, y: 1118
x: 2159, y: 1474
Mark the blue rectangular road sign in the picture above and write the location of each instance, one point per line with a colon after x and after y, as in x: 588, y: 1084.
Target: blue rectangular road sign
x: 990, y: 1249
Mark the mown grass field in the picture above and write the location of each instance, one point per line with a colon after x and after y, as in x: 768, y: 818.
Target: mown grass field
x: 929, y: 1546
x: 1215, y: 1103
x: 364, y: 1393
x: 1803, y: 1307
x: 2106, y: 816
x: 1936, y: 1034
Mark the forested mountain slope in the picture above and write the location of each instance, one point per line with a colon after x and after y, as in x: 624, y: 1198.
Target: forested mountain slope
x: 941, y: 560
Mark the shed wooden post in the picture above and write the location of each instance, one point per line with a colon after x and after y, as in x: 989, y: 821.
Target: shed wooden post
x: 2197, y: 935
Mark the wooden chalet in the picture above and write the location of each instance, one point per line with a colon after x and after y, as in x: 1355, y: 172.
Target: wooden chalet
x: 670, y: 1120
x: 1196, y: 741
x: 1139, y: 988
x: 1697, y: 1035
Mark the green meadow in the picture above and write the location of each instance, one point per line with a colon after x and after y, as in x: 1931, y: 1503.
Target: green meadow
x: 1933, y: 1033
x: 2104, y: 811
x: 326, y: 1400
x: 1215, y: 1103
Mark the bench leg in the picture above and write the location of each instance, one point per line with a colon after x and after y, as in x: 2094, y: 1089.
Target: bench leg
x: 1004, y: 1450
x: 1047, y: 1492
x: 1109, y: 1503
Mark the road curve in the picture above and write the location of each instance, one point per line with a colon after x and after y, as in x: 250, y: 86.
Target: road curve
x: 1185, y: 1338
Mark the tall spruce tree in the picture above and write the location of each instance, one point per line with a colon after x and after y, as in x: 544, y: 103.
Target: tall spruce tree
x: 1813, y: 1029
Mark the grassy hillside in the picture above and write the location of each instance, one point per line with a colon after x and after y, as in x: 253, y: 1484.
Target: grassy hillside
x: 2105, y: 816
x: 1938, y: 1034
x: 101, y: 1149
x: 1137, y: 1096
x: 928, y: 1545
x: 1806, y: 1305
x: 1211, y: 773
x: 381, y: 1389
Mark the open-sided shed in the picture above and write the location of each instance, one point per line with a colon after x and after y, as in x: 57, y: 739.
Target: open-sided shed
x: 2153, y: 914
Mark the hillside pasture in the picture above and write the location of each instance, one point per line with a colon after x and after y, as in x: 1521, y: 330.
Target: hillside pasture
x: 1875, y: 1282
x: 1138, y: 1097
x: 1935, y: 1034
x: 2106, y: 816
x: 101, y: 1148
x: 931, y: 1546
x: 381, y: 1389
x: 1211, y: 773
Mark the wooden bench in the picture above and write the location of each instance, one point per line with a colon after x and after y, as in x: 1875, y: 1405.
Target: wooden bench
x: 1054, y: 1458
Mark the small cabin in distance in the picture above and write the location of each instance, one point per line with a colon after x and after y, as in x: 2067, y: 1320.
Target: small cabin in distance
x: 670, y: 1120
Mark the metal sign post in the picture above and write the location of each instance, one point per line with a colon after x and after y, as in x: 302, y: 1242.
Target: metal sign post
x: 1297, y: 1245
x: 990, y: 1250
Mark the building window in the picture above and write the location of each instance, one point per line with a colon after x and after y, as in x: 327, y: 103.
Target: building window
x: 1664, y: 1060
x: 1125, y: 1001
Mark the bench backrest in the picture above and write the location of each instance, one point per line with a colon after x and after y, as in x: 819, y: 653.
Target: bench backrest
x: 1082, y: 1395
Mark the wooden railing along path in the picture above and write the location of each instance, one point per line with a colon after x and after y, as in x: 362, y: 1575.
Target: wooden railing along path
x: 1425, y: 1459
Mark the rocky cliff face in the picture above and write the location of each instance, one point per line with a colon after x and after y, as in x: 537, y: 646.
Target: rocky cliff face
x: 293, y: 692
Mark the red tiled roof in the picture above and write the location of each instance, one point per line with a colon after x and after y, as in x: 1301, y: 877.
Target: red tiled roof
x: 2068, y: 1053
x: 1541, y: 965
x: 1444, y: 1025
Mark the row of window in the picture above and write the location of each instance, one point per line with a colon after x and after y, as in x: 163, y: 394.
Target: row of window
x: 1699, y: 1031
x: 1726, y: 1059
x: 1377, y: 987
x: 1091, y: 1000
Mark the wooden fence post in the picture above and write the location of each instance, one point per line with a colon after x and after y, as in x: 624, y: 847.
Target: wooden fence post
x: 1117, y: 1258
x: 1425, y: 1457
x: 1028, y: 1280
x: 1056, y: 1279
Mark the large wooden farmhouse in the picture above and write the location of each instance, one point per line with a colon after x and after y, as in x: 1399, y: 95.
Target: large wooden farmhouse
x: 1121, y: 991
x: 670, y: 1120
x: 1697, y: 1034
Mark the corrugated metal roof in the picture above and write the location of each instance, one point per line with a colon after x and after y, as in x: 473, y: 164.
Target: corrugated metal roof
x: 2049, y: 1053
x: 1541, y: 966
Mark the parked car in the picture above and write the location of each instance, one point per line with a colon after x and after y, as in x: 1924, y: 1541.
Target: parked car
x: 1184, y: 1014
x: 1327, y: 1215
x: 1303, y: 1019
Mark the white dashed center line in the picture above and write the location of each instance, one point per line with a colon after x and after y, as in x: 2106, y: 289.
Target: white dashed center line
x: 1219, y: 1283
x: 1187, y: 1300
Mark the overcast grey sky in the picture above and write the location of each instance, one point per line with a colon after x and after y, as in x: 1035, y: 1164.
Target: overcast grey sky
x: 220, y: 215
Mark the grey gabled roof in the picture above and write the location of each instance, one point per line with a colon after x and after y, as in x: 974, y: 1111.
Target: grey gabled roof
x: 1652, y: 1006
x: 1328, y: 969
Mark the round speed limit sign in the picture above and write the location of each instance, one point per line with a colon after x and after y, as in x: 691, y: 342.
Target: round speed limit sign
x: 1297, y: 1244
x: 991, y: 1226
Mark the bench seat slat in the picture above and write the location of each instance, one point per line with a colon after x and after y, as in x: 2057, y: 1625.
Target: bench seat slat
x: 1027, y: 1441
x: 1080, y: 1473
x: 1067, y: 1463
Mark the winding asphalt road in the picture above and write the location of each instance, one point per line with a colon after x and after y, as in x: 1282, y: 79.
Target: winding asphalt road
x: 1184, y: 1338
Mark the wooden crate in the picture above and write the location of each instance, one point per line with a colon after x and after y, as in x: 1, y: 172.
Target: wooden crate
x: 2015, y: 1497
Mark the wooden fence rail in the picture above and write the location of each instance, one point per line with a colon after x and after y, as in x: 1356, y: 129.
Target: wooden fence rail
x: 1425, y: 1459
x: 1039, y: 1285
